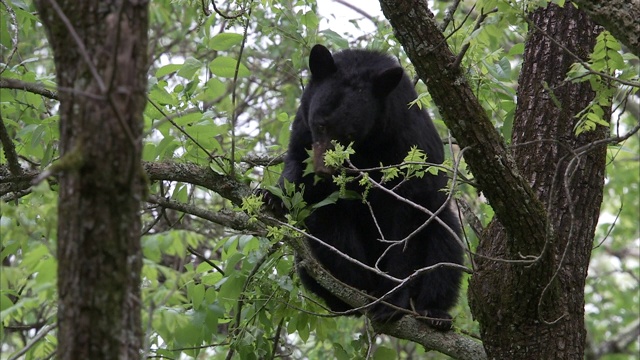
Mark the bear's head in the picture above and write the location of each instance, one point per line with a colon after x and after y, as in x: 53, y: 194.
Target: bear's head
x: 346, y: 98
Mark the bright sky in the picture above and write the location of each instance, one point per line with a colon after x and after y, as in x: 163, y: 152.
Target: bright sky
x: 338, y: 15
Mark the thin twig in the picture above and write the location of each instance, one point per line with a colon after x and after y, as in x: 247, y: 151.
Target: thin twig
x: 170, y: 119
x: 234, y: 115
x: 43, y: 332
x: 358, y: 10
x: 14, y: 38
x: 225, y: 16
x: 203, y: 258
x: 613, y: 224
x: 465, y: 47
x: 9, y: 150
x: 276, y: 339
x: 451, y: 10
x: 455, y: 29
x: 236, y: 220
x: 205, y: 9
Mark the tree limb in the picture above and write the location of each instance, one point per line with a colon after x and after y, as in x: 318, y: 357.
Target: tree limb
x: 43, y: 332
x: 228, y: 187
x: 6, y: 83
x: 454, y: 344
x: 232, y: 219
x: 451, y: 343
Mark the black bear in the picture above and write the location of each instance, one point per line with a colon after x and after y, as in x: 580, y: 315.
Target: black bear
x: 362, y: 97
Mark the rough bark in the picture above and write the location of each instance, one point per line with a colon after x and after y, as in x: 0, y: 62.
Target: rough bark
x: 620, y: 17
x: 227, y: 186
x: 538, y: 310
x: 100, y: 53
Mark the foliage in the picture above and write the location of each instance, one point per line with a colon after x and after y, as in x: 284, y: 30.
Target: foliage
x: 222, y: 93
x: 604, y: 63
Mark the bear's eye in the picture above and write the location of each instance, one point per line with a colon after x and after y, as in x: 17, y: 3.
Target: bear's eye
x: 321, y: 128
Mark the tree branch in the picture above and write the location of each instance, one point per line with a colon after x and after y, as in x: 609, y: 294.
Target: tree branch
x: 451, y: 343
x: 228, y: 187
x: 43, y: 332
x: 6, y: 83
x: 448, y: 15
x: 232, y: 219
x: 409, y: 328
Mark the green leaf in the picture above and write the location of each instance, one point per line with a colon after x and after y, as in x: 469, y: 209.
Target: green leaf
x: 211, y: 279
x: 335, y: 38
x: 390, y: 174
x: 310, y: 20
x: 225, y: 41
x: 196, y: 293
x: 232, y: 287
x: 302, y: 326
x: 615, y: 60
x: 189, y: 68
x: 331, y: 199
x: 516, y: 49
x: 226, y: 67
x: 221, y: 166
x: 162, y: 97
x: 385, y: 353
x: 487, y: 5
x: 5, y: 302
x: 339, y: 352
x: 214, y: 88
x: 507, y: 127
x: 167, y: 69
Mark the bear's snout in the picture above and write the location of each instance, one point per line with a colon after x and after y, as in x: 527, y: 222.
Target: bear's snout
x: 319, y: 148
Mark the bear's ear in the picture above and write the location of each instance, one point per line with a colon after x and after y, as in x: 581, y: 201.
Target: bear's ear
x: 321, y: 62
x: 386, y: 81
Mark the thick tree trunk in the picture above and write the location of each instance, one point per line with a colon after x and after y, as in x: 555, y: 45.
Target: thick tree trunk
x: 100, y: 52
x: 546, y: 201
x: 536, y: 310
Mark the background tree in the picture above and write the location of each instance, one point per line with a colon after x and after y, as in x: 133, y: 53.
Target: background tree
x: 223, y: 85
x: 101, y: 62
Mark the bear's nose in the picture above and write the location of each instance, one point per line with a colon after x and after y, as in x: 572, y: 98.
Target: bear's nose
x: 319, y: 149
